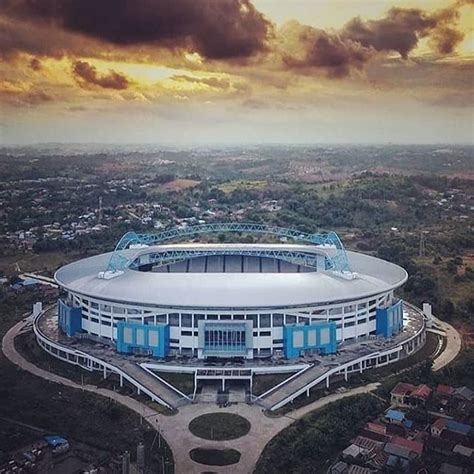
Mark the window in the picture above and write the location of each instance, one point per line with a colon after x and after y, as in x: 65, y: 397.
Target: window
x: 174, y: 319
x: 186, y: 333
x: 372, y: 317
x: 349, y: 324
x: 277, y: 320
x: 161, y: 318
x: 277, y: 341
x: 253, y: 318
x: 362, y: 321
x: 225, y: 317
x: 333, y: 311
x: 212, y: 317
x: 174, y: 341
x: 197, y: 318
x: 239, y: 317
x: 349, y: 309
x: 265, y: 333
x: 94, y: 320
x: 290, y: 319
x: 264, y: 320
x: 186, y: 320
x: 106, y: 323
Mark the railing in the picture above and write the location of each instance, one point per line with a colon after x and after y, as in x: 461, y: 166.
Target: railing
x: 338, y: 262
x: 48, y: 343
x: 342, y: 367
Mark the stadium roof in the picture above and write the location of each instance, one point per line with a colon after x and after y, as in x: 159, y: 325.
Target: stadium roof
x: 230, y: 290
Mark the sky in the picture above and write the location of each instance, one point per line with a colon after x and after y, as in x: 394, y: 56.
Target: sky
x: 183, y: 72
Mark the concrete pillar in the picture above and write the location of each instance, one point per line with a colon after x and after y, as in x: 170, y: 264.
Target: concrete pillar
x: 327, y: 381
x: 345, y: 374
x: 361, y: 368
x: 121, y: 380
x: 307, y: 392
x: 223, y: 384
x: 105, y: 372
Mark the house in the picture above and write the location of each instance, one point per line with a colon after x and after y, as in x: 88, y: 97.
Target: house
x: 463, y: 451
x: 464, y: 393
x: 395, y: 416
x: 414, y: 446
x: 451, y: 431
x: 406, y: 394
x: 444, y: 391
x: 438, y: 426
x: 338, y: 468
x: 398, y: 393
x: 451, y: 469
x: 442, y: 424
x: 358, y: 470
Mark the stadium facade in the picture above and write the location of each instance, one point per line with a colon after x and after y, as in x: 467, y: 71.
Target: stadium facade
x: 230, y: 300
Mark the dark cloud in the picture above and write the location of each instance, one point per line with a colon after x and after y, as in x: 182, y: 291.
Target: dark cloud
x: 339, y: 52
x: 401, y: 29
x: 217, y: 29
x: 35, y: 64
x: 87, y: 75
x: 305, y: 47
x: 17, y: 37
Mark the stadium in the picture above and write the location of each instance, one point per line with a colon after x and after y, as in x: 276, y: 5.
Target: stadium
x: 299, y: 304
x: 231, y: 300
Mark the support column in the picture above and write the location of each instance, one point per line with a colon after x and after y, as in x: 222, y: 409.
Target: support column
x: 345, y: 374
x: 223, y: 384
x: 105, y: 372
x: 307, y: 392
x: 327, y: 381
x: 121, y: 380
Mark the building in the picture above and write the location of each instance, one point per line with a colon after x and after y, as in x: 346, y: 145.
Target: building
x: 233, y: 300
x: 406, y: 394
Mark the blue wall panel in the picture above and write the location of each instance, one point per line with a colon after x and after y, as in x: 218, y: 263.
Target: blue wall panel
x: 389, y: 321
x: 298, y: 339
x: 137, y: 337
x: 69, y: 318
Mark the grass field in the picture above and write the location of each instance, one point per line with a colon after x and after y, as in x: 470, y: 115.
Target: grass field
x: 230, y: 186
x: 183, y: 382
x: 219, y: 426
x: 262, y: 383
x: 215, y: 457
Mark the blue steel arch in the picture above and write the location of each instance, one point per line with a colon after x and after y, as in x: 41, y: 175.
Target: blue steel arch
x: 338, y: 261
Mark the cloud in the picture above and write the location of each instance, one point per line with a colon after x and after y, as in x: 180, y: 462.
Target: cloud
x: 35, y: 64
x: 17, y: 37
x: 214, y: 82
x: 304, y: 47
x: 402, y: 28
x: 216, y: 29
x: 86, y: 74
x: 338, y: 53
x: 21, y: 94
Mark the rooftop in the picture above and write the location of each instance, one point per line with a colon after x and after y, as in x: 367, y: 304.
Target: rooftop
x: 231, y: 290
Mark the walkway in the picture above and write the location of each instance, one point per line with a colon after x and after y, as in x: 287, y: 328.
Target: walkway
x: 453, y: 344
x: 175, y: 428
